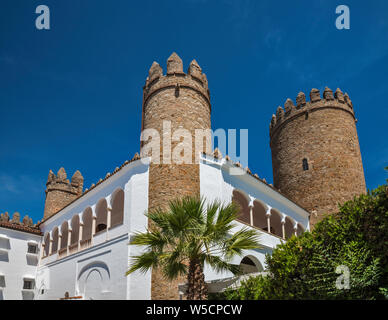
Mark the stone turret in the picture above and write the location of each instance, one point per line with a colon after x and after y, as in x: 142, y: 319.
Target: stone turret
x: 183, y: 100
x: 316, y: 156
x: 60, y: 191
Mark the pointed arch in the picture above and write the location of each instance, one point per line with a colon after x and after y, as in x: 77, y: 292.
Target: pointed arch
x: 54, y: 247
x: 74, y: 229
x: 87, y: 219
x: 289, y: 227
x: 259, y: 217
x: 276, y: 223
x: 65, y: 234
x: 117, y: 204
x: 101, y: 216
x: 242, y: 200
x: 299, y: 229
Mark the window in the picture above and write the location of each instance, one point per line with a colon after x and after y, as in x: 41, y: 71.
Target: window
x: 32, y: 248
x: 28, y: 284
x: 305, y: 164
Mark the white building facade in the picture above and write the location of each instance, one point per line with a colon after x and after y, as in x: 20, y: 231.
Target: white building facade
x: 83, y: 251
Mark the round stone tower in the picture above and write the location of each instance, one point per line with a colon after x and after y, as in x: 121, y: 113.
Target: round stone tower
x: 316, y: 157
x: 173, y: 102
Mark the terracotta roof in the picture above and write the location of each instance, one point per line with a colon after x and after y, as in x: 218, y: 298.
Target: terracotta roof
x: 21, y: 227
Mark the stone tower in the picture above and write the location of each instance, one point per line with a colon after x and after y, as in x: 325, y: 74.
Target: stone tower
x: 316, y: 157
x: 176, y: 100
x: 60, y: 191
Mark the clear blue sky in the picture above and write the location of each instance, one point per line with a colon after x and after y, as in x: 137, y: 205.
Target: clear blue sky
x: 71, y: 96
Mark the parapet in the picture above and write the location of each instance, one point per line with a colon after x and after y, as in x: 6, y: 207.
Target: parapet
x: 25, y: 224
x: 338, y: 100
x: 194, y: 79
x: 61, y: 183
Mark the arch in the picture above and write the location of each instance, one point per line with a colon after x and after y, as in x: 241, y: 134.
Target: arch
x: 299, y: 229
x: 74, y: 229
x: 259, y: 217
x: 93, y: 279
x: 289, y: 227
x: 101, y: 216
x: 54, y: 247
x: 243, y: 201
x: 117, y: 204
x: 65, y: 234
x: 250, y: 264
x: 47, y: 244
x: 87, y: 218
x: 276, y: 223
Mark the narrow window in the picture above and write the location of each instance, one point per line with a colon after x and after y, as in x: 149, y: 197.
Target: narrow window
x: 305, y: 164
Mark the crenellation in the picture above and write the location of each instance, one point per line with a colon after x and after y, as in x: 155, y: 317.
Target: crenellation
x: 315, y: 95
x: 300, y: 100
x: 303, y: 107
x: 324, y: 134
x: 328, y: 94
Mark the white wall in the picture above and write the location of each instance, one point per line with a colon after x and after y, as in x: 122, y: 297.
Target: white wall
x: 98, y: 272
x: 15, y: 263
x: 217, y: 184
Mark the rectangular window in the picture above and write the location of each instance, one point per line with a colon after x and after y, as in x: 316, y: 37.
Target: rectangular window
x: 32, y: 248
x: 28, y: 284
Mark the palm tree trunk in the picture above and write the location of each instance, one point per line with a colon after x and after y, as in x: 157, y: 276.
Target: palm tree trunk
x: 196, y: 289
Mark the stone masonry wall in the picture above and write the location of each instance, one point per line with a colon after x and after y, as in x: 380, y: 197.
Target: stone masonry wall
x: 184, y: 100
x: 323, y: 131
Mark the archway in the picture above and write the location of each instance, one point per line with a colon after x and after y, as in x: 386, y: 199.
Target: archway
x: 243, y: 203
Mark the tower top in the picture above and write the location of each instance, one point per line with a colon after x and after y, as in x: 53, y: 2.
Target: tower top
x: 176, y: 78
x: 338, y: 100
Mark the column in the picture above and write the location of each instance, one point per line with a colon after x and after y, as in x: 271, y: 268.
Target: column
x: 81, y: 229
x: 283, y: 228
x: 251, y: 214
x: 268, y: 215
x: 296, y: 229
x: 51, y: 246
x: 93, y: 228
x: 108, y: 223
x: 59, y: 242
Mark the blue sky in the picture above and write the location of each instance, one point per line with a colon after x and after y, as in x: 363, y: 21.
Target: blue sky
x: 71, y: 96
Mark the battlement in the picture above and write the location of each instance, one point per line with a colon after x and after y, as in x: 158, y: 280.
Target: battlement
x: 338, y: 100
x: 61, y: 183
x: 25, y: 224
x: 176, y: 79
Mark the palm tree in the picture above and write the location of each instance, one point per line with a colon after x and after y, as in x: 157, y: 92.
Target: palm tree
x: 181, y: 239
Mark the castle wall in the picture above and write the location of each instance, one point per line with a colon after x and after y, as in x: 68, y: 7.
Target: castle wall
x: 322, y: 131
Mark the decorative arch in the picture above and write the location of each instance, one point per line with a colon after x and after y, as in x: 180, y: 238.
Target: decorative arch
x: 54, y: 247
x: 289, y: 227
x: 74, y: 229
x: 117, y: 204
x: 101, y: 216
x: 243, y: 201
x: 299, y: 229
x: 250, y: 264
x: 93, y: 280
x: 47, y: 244
x: 259, y: 215
x: 87, y: 218
x: 65, y: 234
x: 276, y: 223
